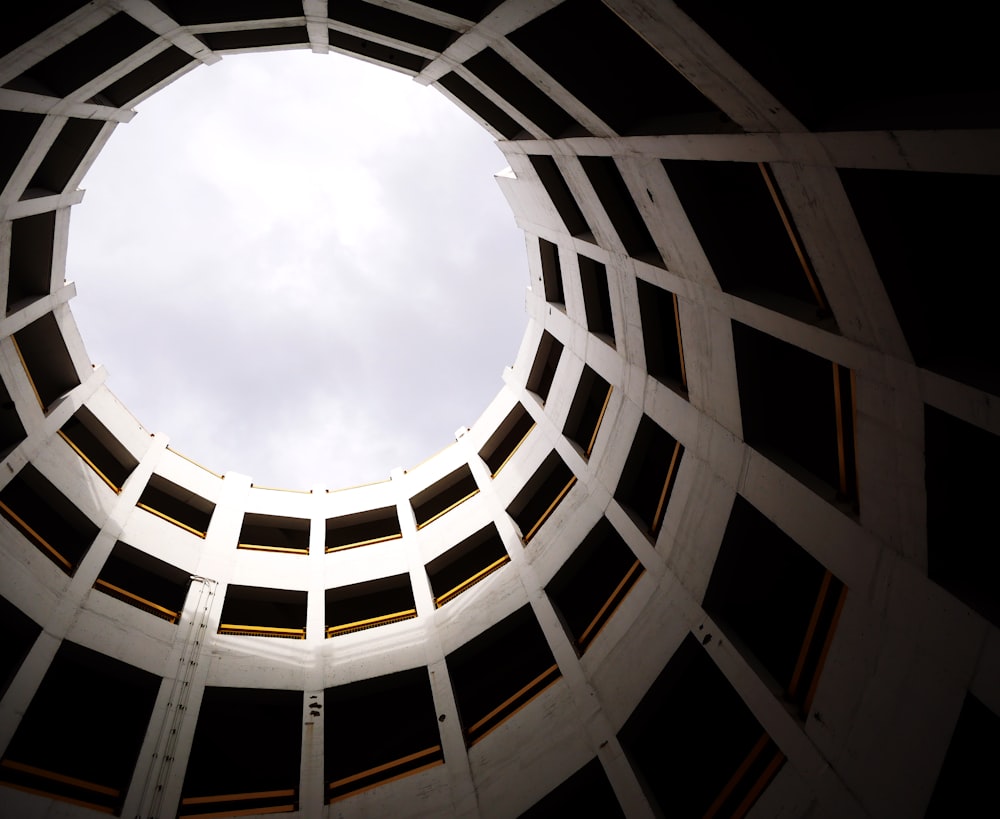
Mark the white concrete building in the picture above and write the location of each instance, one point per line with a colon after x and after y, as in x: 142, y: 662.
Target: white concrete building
x: 721, y: 546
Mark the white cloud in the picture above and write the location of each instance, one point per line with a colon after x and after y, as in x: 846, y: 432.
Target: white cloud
x: 300, y: 268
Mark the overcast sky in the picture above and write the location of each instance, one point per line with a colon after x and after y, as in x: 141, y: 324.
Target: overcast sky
x: 299, y: 267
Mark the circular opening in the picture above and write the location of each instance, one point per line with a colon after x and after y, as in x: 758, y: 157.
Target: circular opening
x: 300, y: 268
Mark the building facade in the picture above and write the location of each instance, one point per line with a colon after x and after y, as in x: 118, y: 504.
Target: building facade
x: 722, y: 545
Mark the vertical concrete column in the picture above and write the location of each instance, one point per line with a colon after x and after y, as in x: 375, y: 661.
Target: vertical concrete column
x: 156, y: 766
x: 312, y: 785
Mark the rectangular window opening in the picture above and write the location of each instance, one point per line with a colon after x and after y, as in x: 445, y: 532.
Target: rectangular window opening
x: 624, y: 214
x: 272, y: 533
x: 31, y: 242
x: 777, y: 602
x: 176, y: 505
x: 466, y: 564
x: 379, y: 730
x: 246, y: 753
x: 552, y: 280
x: 362, y: 529
x: 592, y: 583
x: 443, y: 496
x: 143, y: 581
x: 722, y: 758
x: 46, y: 360
x: 562, y: 197
x: 659, y: 312
x: 252, y: 611
x: 541, y: 495
x: 647, y: 480
x: 747, y: 231
x: 805, y: 423
x: 368, y: 605
x: 593, y: 394
x: 98, y: 448
x: 543, y: 369
x: 509, y: 436
x: 47, y: 518
x: 597, y: 299
x: 500, y: 671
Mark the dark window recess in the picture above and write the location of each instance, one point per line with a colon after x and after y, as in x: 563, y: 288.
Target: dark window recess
x: 19, y: 635
x: 255, y: 38
x: 930, y: 235
x: 143, y: 581
x: 271, y: 533
x: 176, y: 505
x: 93, y: 761
x: 522, y: 93
x: 392, y: 24
x: 888, y: 83
x: 661, y: 335
x: 648, y: 478
x: 542, y: 493
x: 465, y: 564
x: 368, y: 605
x: 362, y: 529
x: 474, y: 10
x: 798, y: 409
x: 586, y: 793
x: 497, y: 673
x: 141, y: 79
x: 964, y: 785
x: 198, y: 12
x: 748, y: 235
x: 552, y: 280
x: 962, y: 489
x: 483, y: 107
x: 588, y: 588
x: 47, y: 518
x: 378, y: 730
x: 375, y: 51
x: 18, y: 130
x: 99, y: 448
x: 46, y: 360
x: 64, y: 157
x: 621, y: 97
x: 443, y: 496
x: 252, y: 611
x: 720, y: 758
x: 11, y: 429
x: 503, y: 443
x: 246, y: 753
x: 89, y: 55
x: 543, y: 368
x: 624, y: 214
x: 562, y: 197
x: 776, y: 602
x: 32, y: 21
x: 587, y: 411
x: 30, y: 259
x: 597, y: 298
